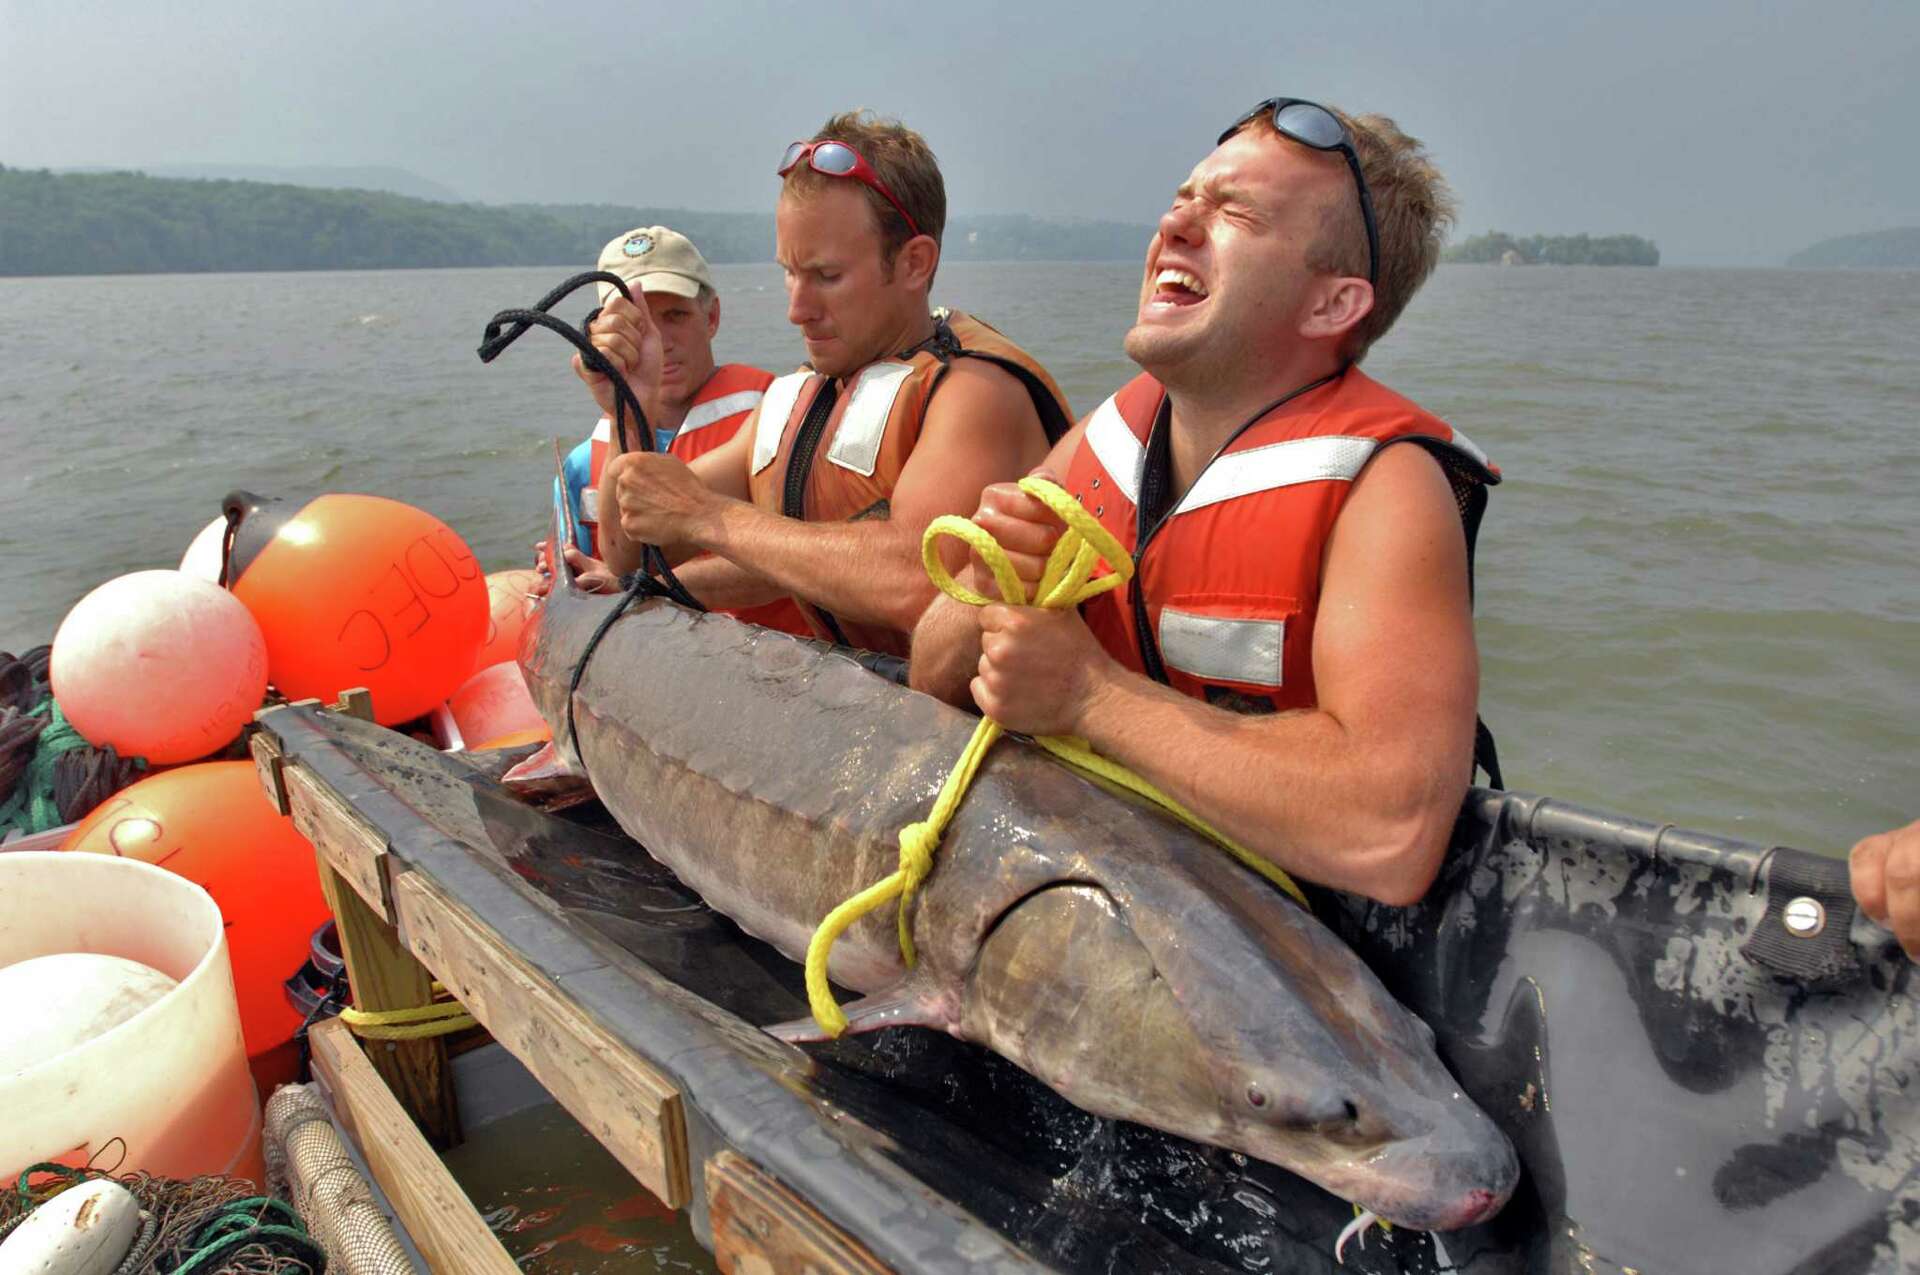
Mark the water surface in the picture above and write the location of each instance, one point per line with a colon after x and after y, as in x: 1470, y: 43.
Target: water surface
x: 1698, y: 593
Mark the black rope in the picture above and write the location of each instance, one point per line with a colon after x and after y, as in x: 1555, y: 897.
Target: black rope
x: 508, y: 326
x: 655, y: 579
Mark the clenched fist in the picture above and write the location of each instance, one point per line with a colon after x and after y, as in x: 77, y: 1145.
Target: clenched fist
x: 625, y: 333
x: 660, y: 500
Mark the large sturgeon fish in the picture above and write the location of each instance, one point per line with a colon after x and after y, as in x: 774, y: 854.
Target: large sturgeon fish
x: 1100, y: 945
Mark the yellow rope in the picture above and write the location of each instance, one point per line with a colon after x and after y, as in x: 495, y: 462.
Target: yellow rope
x: 439, y: 1019
x: 1066, y: 582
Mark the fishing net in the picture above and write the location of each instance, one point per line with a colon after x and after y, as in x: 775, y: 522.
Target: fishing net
x: 49, y: 774
x: 203, y: 1226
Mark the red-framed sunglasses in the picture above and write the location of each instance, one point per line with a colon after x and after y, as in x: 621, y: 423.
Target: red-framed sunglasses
x: 837, y: 159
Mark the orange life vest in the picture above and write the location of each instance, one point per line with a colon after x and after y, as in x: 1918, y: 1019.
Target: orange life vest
x: 1227, y: 583
x: 719, y: 408
x: 863, y: 428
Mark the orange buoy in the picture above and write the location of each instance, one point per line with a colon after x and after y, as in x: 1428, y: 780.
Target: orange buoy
x: 514, y: 739
x: 159, y: 665
x: 509, y: 599
x: 212, y: 824
x: 494, y: 703
x: 360, y: 591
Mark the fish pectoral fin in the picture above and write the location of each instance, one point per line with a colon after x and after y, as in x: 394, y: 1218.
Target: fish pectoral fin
x: 544, y: 769
x: 903, y: 1005
x: 547, y: 764
x: 547, y: 780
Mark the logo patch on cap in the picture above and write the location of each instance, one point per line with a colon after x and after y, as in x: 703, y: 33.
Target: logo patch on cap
x: 637, y: 245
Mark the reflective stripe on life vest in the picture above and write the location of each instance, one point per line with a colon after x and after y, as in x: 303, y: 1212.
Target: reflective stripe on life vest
x: 863, y: 426
x: 1258, y: 469
x: 1209, y: 646
x: 775, y: 407
x: 713, y: 412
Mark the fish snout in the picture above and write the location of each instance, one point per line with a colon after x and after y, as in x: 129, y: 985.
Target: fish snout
x: 1445, y: 1189
x: 1477, y: 1206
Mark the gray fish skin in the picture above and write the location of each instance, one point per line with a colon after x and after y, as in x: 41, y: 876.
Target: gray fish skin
x: 1103, y: 947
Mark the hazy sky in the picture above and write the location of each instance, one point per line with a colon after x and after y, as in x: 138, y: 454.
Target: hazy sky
x: 1731, y: 133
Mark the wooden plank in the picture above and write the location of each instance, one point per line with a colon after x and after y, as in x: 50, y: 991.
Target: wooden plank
x: 631, y: 1108
x: 384, y: 975
x: 437, y: 1214
x: 760, y: 1226
x: 271, y: 767
x: 357, y: 702
x: 344, y: 839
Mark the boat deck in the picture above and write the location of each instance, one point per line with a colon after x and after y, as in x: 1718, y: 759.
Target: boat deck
x: 1663, y: 1105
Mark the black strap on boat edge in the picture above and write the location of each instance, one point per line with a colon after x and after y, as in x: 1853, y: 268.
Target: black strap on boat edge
x: 1807, y: 930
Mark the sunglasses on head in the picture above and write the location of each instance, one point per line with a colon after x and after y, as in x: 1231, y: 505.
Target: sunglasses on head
x: 837, y: 159
x: 1312, y: 124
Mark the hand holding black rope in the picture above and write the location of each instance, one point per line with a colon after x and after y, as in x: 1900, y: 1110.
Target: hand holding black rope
x: 655, y: 577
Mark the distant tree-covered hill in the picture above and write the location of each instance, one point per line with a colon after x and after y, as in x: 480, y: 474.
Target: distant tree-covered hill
x: 1876, y: 249
x: 117, y: 223
x: 1497, y: 247
x: 394, y: 181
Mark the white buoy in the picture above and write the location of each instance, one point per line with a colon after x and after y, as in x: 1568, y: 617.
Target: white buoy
x: 202, y: 558
x: 51, y: 1004
x: 85, y: 1230
x: 159, y: 665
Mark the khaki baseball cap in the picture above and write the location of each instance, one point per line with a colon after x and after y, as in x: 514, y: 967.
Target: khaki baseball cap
x: 655, y: 259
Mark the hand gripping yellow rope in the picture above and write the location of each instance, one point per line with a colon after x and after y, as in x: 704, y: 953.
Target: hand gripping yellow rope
x: 1065, y: 583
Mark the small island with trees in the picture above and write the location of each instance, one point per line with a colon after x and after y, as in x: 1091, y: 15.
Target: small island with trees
x: 1498, y: 248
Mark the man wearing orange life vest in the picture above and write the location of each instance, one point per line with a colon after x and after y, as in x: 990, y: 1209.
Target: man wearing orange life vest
x: 1293, y: 562
x: 902, y: 415
x: 698, y: 404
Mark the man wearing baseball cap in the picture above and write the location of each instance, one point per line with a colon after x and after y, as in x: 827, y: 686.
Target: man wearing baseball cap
x: 698, y: 404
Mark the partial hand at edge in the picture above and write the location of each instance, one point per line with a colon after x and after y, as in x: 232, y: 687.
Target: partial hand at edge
x: 1886, y: 882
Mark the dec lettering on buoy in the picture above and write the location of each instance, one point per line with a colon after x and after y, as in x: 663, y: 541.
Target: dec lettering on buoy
x: 403, y: 597
x: 360, y: 591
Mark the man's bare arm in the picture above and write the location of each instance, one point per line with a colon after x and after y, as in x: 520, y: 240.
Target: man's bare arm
x: 1360, y: 792
x: 981, y: 427
x: 725, y: 586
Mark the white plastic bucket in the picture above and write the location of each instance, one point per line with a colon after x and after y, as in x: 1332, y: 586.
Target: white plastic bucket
x: 171, y: 1082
